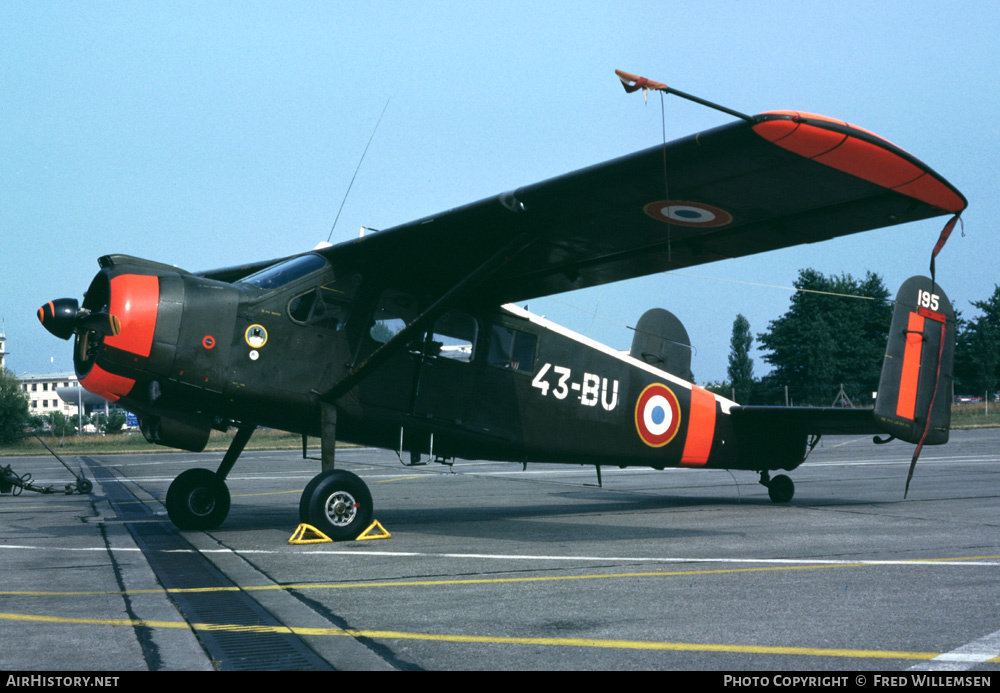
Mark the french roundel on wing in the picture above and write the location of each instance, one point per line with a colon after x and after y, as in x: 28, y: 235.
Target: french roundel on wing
x: 657, y: 415
x: 686, y: 213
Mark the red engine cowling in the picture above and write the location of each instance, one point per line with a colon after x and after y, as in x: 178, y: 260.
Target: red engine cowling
x: 134, y: 300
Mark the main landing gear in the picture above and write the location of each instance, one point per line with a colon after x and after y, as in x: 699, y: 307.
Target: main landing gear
x: 780, y: 489
x: 336, y: 502
x: 199, y: 498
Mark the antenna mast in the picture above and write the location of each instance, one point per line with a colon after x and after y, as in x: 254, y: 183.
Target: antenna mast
x: 374, y: 130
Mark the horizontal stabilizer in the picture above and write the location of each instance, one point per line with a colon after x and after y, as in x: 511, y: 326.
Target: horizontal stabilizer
x: 774, y: 421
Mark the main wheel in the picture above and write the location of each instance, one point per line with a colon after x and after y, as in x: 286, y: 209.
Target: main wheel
x: 781, y: 489
x: 338, y: 504
x: 198, y: 499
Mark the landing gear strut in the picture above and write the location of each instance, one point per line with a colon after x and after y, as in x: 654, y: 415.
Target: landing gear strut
x: 199, y: 498
x: 780, y: 489
x: 335, y: 502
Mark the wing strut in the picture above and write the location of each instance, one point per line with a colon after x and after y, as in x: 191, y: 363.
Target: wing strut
x: 433, y: 312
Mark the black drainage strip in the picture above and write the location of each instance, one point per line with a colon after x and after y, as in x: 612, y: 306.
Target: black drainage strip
x: 178, y: 565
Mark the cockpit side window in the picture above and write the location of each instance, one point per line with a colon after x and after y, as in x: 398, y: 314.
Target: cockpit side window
x: 325, y: 307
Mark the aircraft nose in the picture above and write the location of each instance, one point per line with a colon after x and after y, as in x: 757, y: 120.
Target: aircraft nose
x: 59, y: 316
x: 63, y: 316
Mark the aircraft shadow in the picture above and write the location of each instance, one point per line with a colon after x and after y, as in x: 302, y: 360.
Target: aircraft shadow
x: 598, y: 520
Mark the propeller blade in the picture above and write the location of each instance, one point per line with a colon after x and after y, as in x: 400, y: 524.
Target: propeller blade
x: 59, y: 316
x: 102, y: 323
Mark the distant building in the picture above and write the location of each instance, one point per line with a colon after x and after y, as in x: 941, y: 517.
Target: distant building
x: 43, y: 394
x: 51, y: 392
x: 59, y: 391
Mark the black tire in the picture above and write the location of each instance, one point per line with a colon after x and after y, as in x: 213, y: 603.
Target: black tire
x: 198, y: 499
x: 5, y: 486
x: 84, y: 486
x: 338, y: 504
x: 781, y: 489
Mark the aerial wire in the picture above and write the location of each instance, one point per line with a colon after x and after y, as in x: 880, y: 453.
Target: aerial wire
x: 784, y: 288
x: 374, y: 130
x: 793, y: 289
x: 666, y: 186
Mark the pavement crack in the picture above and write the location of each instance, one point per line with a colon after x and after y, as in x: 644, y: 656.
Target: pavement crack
x: 144, y: 636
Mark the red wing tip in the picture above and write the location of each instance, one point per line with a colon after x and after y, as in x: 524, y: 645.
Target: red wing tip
x: 858, y: 152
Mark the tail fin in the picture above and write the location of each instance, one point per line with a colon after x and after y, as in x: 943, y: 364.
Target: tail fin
x: 661, y: 341
x: 914, y: 394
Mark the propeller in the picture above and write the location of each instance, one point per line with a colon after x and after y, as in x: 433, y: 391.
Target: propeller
x: 63, y: 316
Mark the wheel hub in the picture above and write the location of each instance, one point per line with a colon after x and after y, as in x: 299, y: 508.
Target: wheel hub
x: 201, y: 501
x: 341, y: 508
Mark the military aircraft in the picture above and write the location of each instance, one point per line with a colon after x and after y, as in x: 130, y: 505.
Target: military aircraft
x: 408, y: 339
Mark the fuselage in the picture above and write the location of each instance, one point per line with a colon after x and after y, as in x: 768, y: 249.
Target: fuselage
x: 481, y: 382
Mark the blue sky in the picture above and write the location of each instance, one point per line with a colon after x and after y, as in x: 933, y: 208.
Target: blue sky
x: 208, y: 134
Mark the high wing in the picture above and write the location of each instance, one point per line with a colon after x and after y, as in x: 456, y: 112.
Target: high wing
x: 784, y: 178
x: 188, y: 354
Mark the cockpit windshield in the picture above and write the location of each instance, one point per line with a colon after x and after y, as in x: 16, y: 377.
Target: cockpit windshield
x: 285, y: 272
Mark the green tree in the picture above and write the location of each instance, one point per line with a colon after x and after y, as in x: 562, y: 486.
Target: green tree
x: 114, y: 422
x: 740, y: 370
x: 827, y: 340
x: 14, y: 415
x: 722, y: 389
x: 60, y: 425
x: 977, y: 354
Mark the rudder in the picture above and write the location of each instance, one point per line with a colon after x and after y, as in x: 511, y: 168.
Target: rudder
x: 661, y: 341
x: 917, y: 372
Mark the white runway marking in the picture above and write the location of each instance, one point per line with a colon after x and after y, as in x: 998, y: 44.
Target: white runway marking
x: 965, y: 657
x: 991, y: 562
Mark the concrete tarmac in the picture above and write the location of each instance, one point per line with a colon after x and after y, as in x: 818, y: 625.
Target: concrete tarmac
x: 491, y: 567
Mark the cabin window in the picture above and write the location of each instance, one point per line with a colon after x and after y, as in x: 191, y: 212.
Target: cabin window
x: 285, y: 272
x: 325, y: 307
x: 453, y: 337
x: 512, y: 349
x: 395, y: 311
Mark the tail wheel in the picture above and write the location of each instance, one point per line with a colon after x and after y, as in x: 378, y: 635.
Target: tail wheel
x: 338, y: 504
x: 198, y: 499
x: 781, y: 489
